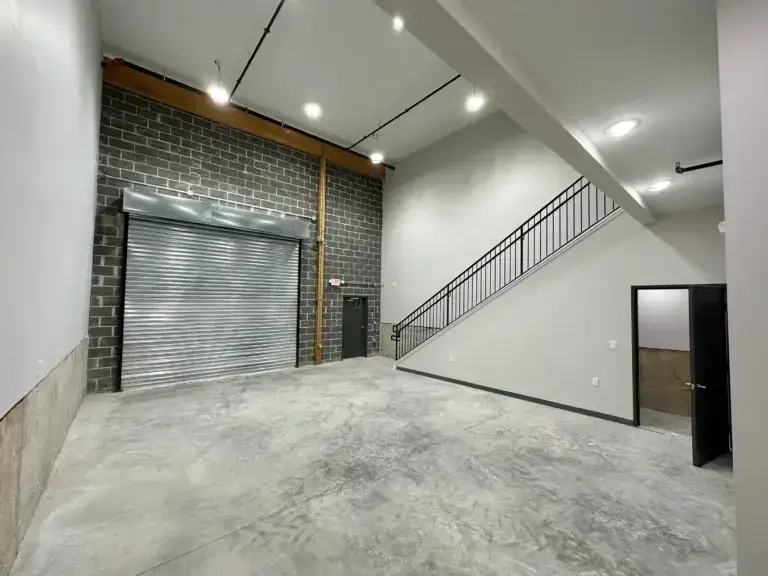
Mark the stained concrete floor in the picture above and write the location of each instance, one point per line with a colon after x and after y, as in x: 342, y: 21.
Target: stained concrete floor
x: 353, y: 468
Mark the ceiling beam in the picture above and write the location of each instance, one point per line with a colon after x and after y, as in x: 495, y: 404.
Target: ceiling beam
x: 119, y: 74
x: 448, y: 28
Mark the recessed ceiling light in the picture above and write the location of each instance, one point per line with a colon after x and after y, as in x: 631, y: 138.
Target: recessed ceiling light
x: 659, y: 186
x: 397, y: 23
x: 218, y: 94
x: 622, y: 128
x: 313, y: 110
x: 475, y: 102
x: 377, y: 157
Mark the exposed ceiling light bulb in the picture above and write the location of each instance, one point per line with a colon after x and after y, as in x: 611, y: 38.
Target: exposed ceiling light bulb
x: 659, y: 186
x: 218, y: 94
x: 313, y: 110
x: 377, y: 157
x: 622, y: 128
x: 398, y: 24
x: 475, y: 102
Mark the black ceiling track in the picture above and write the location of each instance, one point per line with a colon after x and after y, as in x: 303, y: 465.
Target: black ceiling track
x: 682, y: 170
x: 404, y: 112
x: 264, y: 34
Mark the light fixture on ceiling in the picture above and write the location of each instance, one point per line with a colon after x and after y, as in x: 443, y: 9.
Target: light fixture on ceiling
x: 659, y: 186
x: 398, y: 24
x: 377, y: 157
x: 475, y: 102
x: 622, y: 128
x: 313, y: 110
x: 217, y: 92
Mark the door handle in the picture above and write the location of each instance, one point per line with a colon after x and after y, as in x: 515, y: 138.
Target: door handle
x: 699, y: 386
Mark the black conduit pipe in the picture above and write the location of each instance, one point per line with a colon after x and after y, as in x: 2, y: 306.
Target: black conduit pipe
x: 267, y: 30
x: 681, y: 170
x: 404, y: 112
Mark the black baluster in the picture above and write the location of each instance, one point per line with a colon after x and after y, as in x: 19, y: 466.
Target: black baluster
x: 573, y: 218
x: 447, y: 307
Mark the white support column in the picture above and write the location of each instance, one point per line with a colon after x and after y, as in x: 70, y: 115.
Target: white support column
x: 743, y: 49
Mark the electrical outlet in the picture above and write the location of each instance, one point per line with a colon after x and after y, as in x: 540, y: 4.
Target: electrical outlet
x: 595, y: 381
x: 451, y: 359
x: 613, y: 345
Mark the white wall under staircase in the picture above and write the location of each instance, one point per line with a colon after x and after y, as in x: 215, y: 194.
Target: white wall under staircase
x: 548, y: 336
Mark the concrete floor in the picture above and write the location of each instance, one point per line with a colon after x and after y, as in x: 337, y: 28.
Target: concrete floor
x: 353, y: 468
x: 666, y: 423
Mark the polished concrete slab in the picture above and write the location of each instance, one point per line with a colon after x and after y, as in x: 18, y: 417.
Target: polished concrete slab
x: 354, y: 468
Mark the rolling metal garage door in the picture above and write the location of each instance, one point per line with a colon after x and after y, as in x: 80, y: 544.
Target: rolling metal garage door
x: 203, y: 302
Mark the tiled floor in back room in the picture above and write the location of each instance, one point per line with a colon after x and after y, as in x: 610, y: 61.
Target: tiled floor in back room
x: 354, y: 468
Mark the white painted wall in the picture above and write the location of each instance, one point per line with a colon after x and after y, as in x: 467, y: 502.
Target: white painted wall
x: 549, y: 335
x: 49, y: 122
x: 743, y: 46
x: 662, y: 319
x: 445, y: 206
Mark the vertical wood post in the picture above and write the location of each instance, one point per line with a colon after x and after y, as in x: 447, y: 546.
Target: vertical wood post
x: 320, y: 281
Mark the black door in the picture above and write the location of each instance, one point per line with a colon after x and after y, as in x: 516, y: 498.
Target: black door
x: 354, y: 331
x: 709, y: 373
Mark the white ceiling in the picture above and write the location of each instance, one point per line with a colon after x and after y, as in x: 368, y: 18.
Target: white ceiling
x: 593, y: 62
x: 342, y: 54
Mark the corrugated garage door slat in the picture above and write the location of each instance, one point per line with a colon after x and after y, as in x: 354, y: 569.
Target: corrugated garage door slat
x: 206, y: 302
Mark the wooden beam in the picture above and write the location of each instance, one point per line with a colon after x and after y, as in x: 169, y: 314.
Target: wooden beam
x: 117, y: 73
x: 320, y: 280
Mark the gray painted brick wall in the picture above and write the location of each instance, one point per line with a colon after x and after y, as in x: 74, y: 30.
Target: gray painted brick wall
x: 145, y: 145
x: 352, y: 253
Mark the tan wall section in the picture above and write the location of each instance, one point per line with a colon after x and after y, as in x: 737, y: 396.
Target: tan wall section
x: 664, y: 377
x: 31, y: 435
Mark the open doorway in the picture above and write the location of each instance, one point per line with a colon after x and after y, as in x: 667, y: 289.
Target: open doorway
x: 664, y: 360
x: 680, y: 365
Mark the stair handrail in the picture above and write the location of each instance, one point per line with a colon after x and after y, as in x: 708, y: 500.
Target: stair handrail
x: 494, y: 253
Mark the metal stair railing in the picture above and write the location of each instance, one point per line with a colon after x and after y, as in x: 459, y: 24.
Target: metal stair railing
x: 561, y: 221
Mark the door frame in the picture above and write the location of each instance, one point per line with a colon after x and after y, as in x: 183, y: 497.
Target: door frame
x: 365, y: 323
x: 298, y: 305
x: 635, y: 348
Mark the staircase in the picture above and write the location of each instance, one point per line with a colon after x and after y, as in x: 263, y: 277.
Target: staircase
x: 570, y: 214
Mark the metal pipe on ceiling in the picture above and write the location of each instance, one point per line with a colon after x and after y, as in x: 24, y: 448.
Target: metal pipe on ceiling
x: 267, y: 30
x: 682, y: 170
x: 404, y: 112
